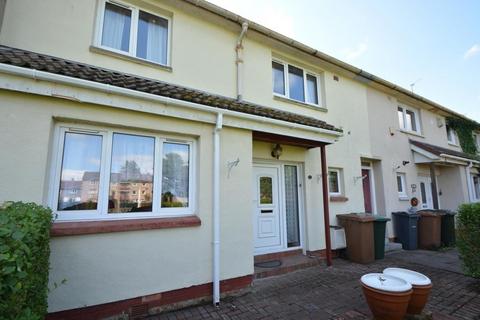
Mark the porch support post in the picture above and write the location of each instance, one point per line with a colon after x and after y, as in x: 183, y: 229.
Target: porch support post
x: 326, y: 210
x: 434, y: 185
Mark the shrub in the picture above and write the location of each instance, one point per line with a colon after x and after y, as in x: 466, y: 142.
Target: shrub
x: 468, y: 238
x: 24, y: 260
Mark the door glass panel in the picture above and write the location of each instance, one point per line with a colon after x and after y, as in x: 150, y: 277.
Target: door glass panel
x: 423, y: 193
x: 291, y: 206
x: 131, y: 175
x: 80, y: 172
x: 266, y: 191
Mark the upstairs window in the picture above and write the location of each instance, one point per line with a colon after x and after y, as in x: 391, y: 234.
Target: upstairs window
x: 452, y: 136
x: 295, y: 83
x: 131, y: 31
x: 408, y: 119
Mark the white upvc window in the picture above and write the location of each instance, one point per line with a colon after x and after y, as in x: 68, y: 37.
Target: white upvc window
x: 296, y: 83
x: 402, y: 185
x: 106, y: 174
x: 476, y: 187
x: 131, y: 31
x: 452, y: 136
x: 476, y: 139
x: 334, y: 182
x: 408, y: 119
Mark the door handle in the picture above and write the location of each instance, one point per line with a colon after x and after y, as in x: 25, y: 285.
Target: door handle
x: 266, y: 211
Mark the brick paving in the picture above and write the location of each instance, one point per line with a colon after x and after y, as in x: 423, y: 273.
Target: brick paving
x: 335, y: 292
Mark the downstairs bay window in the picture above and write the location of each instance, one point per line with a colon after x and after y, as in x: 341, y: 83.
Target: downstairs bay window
x: 115, y: 174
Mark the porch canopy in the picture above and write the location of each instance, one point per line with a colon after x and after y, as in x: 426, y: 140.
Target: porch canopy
x: 429, y: 153
x: 425, y: 153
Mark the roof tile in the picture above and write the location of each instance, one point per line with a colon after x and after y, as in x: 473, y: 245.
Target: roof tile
x: 42, y: 62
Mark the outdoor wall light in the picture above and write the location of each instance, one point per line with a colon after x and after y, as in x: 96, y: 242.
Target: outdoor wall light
x: 277, y: 151
x: 405, y: 163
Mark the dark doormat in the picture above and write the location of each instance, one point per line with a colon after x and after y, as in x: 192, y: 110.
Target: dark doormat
x: 268, y: 264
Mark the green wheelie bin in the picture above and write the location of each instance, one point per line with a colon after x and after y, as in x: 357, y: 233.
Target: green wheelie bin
x: 379, y: 229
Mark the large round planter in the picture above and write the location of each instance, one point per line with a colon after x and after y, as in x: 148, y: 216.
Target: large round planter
x: 387, y: 301
x: 421, y: 286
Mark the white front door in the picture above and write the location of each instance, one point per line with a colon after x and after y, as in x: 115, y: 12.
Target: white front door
x: 425, y: 190
x: 266, y: 207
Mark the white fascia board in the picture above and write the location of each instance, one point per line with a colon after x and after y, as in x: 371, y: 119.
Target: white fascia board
x: 30, y: 80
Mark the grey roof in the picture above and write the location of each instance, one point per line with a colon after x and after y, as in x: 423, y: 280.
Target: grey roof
x: 60, y: 66
x: 436, y: 150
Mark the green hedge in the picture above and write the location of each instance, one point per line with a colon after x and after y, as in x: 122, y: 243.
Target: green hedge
x: 468, y: 238
x: 24, y: 260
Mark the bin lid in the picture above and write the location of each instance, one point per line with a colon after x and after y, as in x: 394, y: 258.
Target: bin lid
x: 381, y: 218
x: 360, y: 217
x: 412, y: 277
x: 385, y: 282
x: 403, y: 213
x: 430, y: 213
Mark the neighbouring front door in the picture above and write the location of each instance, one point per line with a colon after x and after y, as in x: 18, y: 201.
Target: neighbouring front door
x: 367, y: 192
x: 426, y: 197
x: 266, y: 206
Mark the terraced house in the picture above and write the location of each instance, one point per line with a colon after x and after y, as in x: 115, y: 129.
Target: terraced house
x: 175, y: 141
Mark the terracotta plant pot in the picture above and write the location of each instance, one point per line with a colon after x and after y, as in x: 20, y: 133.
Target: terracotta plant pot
x: 421, y: 286
x: 387, y: 296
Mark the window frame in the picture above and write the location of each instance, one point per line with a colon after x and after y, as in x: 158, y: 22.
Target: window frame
x: 404, y: 117
x: 305, y: 92
x: 101, y: 213
x: 132, y: 50
x: 339, y: 182
x: 476, y: 195
x: 452, y: 137
x: 403, y: 181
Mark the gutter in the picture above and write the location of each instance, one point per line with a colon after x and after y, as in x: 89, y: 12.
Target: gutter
x: 327, y: 58
x: 106, y: 88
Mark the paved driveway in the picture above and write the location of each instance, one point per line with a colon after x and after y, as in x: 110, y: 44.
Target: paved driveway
x: 335, y: 292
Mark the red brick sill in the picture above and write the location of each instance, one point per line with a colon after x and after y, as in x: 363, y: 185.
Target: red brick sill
x: 338, y: 199
x: 60, y: 229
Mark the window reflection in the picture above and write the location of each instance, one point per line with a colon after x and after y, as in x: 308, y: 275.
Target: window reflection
x: 175, y: 184
x: 131, y: 174
x: 80, y: 173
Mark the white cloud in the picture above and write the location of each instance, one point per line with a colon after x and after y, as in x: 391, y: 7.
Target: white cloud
x: 473, y: 51
x: 352, y: 54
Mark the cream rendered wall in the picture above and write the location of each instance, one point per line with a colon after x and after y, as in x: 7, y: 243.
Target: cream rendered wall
x: 452, y: 194
x: 393, y: 149
x: 114, y: 266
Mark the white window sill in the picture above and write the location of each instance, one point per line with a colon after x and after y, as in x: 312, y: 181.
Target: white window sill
x: 413, y: 133
x: 128, y: 57
x: 403, y: 198
x: 303, y: 104
x: 453, y: 144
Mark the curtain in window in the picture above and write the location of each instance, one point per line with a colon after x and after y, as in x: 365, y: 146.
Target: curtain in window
x: 291, y: 206
x: 152, y: 38
x: 116, y: 27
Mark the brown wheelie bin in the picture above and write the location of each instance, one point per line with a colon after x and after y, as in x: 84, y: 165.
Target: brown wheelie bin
x: 359, y: 234
x: 429, y: 229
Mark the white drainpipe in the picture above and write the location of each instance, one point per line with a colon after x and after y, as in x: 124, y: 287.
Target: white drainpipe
x: 469, y: 182
x: 216, y: 209
x: 239, y: 61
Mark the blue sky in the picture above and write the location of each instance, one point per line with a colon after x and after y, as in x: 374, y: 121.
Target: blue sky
x: 432, y: 43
